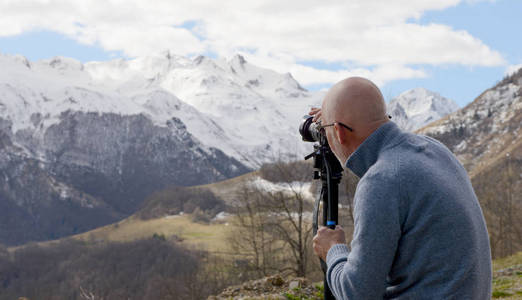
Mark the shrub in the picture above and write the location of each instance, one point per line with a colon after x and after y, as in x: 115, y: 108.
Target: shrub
x: 180, y: 199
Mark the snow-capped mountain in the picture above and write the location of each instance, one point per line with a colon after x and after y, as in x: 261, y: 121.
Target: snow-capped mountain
x: 97, y: 138
x: 485, y: 128
x: 248, y: 112
x: 418, y: 107
x: 102, y: 136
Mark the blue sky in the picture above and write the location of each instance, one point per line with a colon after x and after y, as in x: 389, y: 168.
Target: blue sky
x: 492, y: 26
x: 497, y: 24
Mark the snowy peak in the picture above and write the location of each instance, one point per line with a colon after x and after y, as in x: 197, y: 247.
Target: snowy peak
x: 248, y: 112
x: 238, y: 60
x: 420, y: 100
x: 257, y: 77
x: 64, y: 63
x: 417, y: 107
x: 143, y: 70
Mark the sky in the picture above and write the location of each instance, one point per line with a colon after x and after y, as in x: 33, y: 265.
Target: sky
x: 457, y: 48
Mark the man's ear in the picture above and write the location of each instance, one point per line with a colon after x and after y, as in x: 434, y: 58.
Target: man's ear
x: 340, y: 134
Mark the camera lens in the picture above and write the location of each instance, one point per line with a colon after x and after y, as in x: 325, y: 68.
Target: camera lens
x: 308, y: 130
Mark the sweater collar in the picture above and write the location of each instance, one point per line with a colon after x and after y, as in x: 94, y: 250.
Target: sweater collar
x: 368, y: 152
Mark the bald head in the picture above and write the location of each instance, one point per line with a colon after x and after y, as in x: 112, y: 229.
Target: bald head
x: 357, y: 102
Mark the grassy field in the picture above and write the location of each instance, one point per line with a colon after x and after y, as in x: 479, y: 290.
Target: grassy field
x: 507, y: 277
x: 211, y: 237
x: 227, y: 189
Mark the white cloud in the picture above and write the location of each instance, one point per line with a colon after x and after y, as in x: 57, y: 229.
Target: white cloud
x: 512, y: 69
x: 307, y: 75
x: 376, y: 36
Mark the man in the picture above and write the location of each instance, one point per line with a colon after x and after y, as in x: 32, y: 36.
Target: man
x: 419, y: 230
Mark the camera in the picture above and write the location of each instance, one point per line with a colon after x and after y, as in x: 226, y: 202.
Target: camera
x: 310, y: 131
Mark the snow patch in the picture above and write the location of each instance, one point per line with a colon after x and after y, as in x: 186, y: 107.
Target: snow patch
x: 221, y: 216
x: 291, y: 188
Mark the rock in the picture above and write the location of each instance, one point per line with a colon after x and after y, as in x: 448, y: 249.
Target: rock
x: 276, y: 280
x: 294, y: 284
x: 271, y: 287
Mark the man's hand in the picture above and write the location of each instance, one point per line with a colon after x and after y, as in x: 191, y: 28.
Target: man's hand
x: 326, y: 238
x: 316, y: 112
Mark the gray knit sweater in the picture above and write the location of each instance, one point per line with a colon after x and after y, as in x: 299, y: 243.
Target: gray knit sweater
x: 419, y: 230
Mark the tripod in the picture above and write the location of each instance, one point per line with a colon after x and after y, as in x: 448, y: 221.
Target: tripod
x: 329, y: 171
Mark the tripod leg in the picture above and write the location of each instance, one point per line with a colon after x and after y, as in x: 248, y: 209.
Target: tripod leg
x: 327, y: 291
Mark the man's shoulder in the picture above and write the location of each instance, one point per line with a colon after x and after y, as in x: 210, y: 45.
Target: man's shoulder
x: 383, y: 175
x: 416, y: 153
x: 411, y: 155
x: 412, y: 144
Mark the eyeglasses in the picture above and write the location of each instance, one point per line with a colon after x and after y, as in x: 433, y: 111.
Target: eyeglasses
x: 328, y: 125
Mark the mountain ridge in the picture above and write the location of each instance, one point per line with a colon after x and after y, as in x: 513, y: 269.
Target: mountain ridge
x: 217, y: 99
x: 117, y: 131
x: 417, y: 107
x: 485, y: 137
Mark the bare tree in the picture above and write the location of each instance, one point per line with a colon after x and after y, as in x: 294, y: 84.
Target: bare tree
x: 143, y: 269
x: 347, y: 194
x: 84, y: 294
x: 252, y: 236
x: 274, y: 224
x: 511, y: 212
x: 502, y: 211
